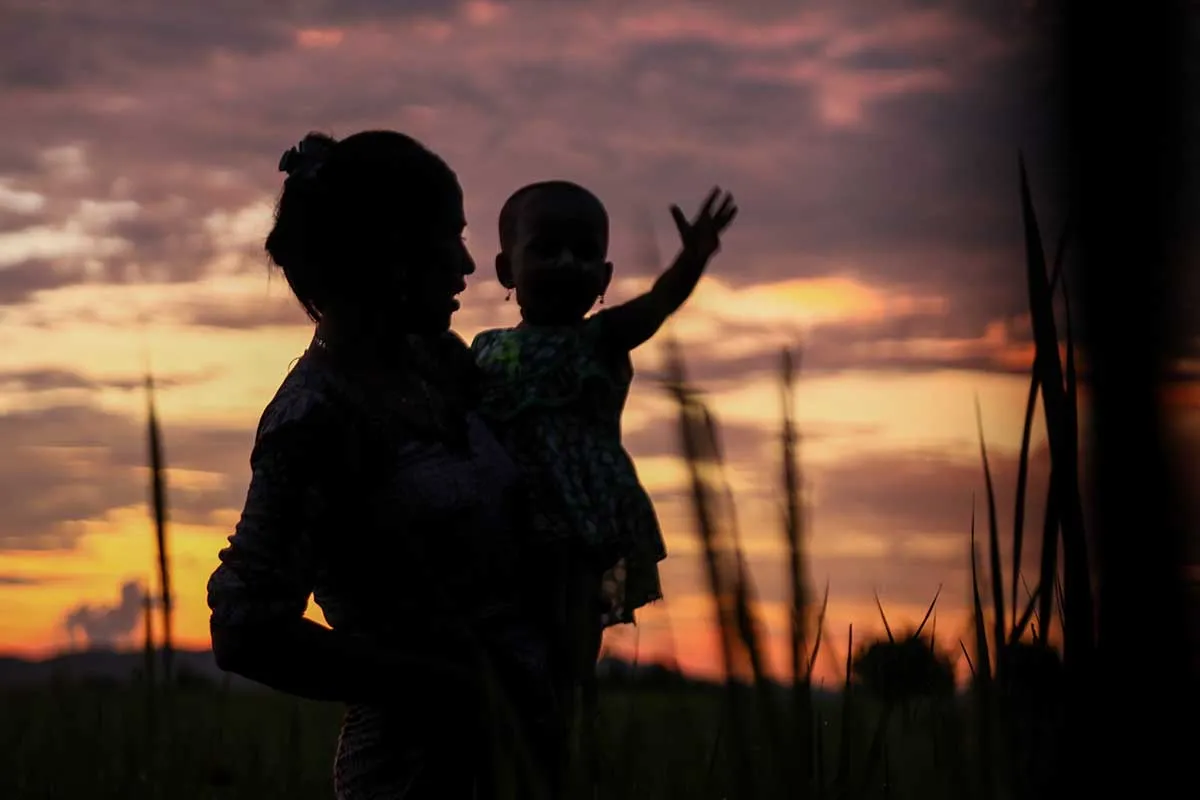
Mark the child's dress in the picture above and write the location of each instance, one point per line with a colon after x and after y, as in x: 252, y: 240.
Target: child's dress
x: 554, y: 396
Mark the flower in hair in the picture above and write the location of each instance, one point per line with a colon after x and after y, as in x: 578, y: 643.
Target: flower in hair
x: 305, y: 159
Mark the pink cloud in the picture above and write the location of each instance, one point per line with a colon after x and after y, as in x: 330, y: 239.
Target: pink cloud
x: 484, y: 12
x: 319, y: 37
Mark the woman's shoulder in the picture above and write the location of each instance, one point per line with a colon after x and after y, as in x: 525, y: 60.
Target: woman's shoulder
x: 305, y: 400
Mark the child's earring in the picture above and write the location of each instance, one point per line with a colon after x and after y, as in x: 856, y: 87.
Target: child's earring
x: 601, y: 299
x: 508, y: 296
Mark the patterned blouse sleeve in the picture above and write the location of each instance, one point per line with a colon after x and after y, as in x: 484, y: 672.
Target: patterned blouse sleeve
x: 267, y: 572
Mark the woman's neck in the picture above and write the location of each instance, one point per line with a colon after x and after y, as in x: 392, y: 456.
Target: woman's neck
x: 351, y: 341
x: 353, y: 333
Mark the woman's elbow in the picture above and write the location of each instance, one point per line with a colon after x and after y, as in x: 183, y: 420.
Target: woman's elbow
x: 234, y: 649
x: 238, y: 623
x: 224, y: 650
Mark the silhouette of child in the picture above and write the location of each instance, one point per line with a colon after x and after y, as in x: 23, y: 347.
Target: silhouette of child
x: 554, y: 388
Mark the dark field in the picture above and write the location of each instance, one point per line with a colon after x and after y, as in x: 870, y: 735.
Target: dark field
x: 78, y: 741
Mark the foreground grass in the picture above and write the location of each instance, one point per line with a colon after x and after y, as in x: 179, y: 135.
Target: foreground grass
x: 72, y: 741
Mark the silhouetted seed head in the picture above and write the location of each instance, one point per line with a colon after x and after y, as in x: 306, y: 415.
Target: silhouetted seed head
x: 1033, y: 672
x: 907, y: 669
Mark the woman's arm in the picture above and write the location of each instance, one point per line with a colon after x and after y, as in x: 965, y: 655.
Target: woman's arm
x: 306, y: 659
x: 259, y: 592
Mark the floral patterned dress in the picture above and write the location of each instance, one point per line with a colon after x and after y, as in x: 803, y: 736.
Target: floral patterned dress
x: 555, y: 395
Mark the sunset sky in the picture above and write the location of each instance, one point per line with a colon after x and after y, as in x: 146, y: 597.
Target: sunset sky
x: 871, y: 147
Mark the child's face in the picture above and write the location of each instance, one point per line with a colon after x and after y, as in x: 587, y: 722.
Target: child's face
x: 557, y: 264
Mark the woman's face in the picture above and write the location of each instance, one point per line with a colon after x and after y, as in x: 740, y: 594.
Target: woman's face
x: 434, y: 268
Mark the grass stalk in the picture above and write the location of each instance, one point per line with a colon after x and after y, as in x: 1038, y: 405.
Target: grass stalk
x: 158, y: 492
x: 1079, y: 638
x: 997, y: 581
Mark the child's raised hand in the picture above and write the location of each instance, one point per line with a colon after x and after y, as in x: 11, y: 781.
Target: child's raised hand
x: 633, y: 323
x: 701, y: 237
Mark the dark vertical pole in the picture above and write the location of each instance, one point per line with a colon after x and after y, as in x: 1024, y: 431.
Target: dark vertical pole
x: 1123, y: 147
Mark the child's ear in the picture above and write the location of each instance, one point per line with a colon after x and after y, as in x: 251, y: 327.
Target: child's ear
x: 606, y: 276
x: 504, y: 270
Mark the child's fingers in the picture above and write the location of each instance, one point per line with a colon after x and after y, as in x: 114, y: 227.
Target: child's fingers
x: 726, y: 205
x: 706, y: 209
x: 727, y: 216
x: 681, y: 221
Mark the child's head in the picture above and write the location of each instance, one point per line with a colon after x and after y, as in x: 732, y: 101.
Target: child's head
x: 553, y: 251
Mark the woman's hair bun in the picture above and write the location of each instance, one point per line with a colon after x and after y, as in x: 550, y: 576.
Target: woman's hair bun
x: 304, y: 160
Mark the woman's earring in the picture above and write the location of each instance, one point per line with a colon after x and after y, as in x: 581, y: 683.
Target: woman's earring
x: 508, y: 296
x: 601, y: 299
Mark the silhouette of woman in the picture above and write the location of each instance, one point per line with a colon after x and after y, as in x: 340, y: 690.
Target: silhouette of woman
x: 376, y: 488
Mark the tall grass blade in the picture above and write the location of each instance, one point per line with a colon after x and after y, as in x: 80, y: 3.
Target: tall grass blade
x: 928, y: 612
x: 981, y: 641
x: 693, y: 439
x: 1079, y: 638
x: 1036, y: 622
x: 1022, y: 480
x: 1027, y: 615
x: 983, y: 688
x: 994, y: 548
x: 148, y: 665
x: 1060, y: 254
x: 698, y: 445
x: 794, y: 515
x: 794, y: 533
x: 886, y: 627
x: 1025, y: 585
x: 1072, y: 378
x: 158, y: 491
x: 1048, y: 568
x: 1048, y: 562
x: 833, y: 655
x: 849, y: 728
x: 1062, y: 603
x: 148, y: 638
x: 967, y: 655
x: 747, y: 626
x: 820, y: 634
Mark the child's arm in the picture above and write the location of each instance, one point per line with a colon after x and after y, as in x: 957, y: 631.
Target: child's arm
x: 631, y: 324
